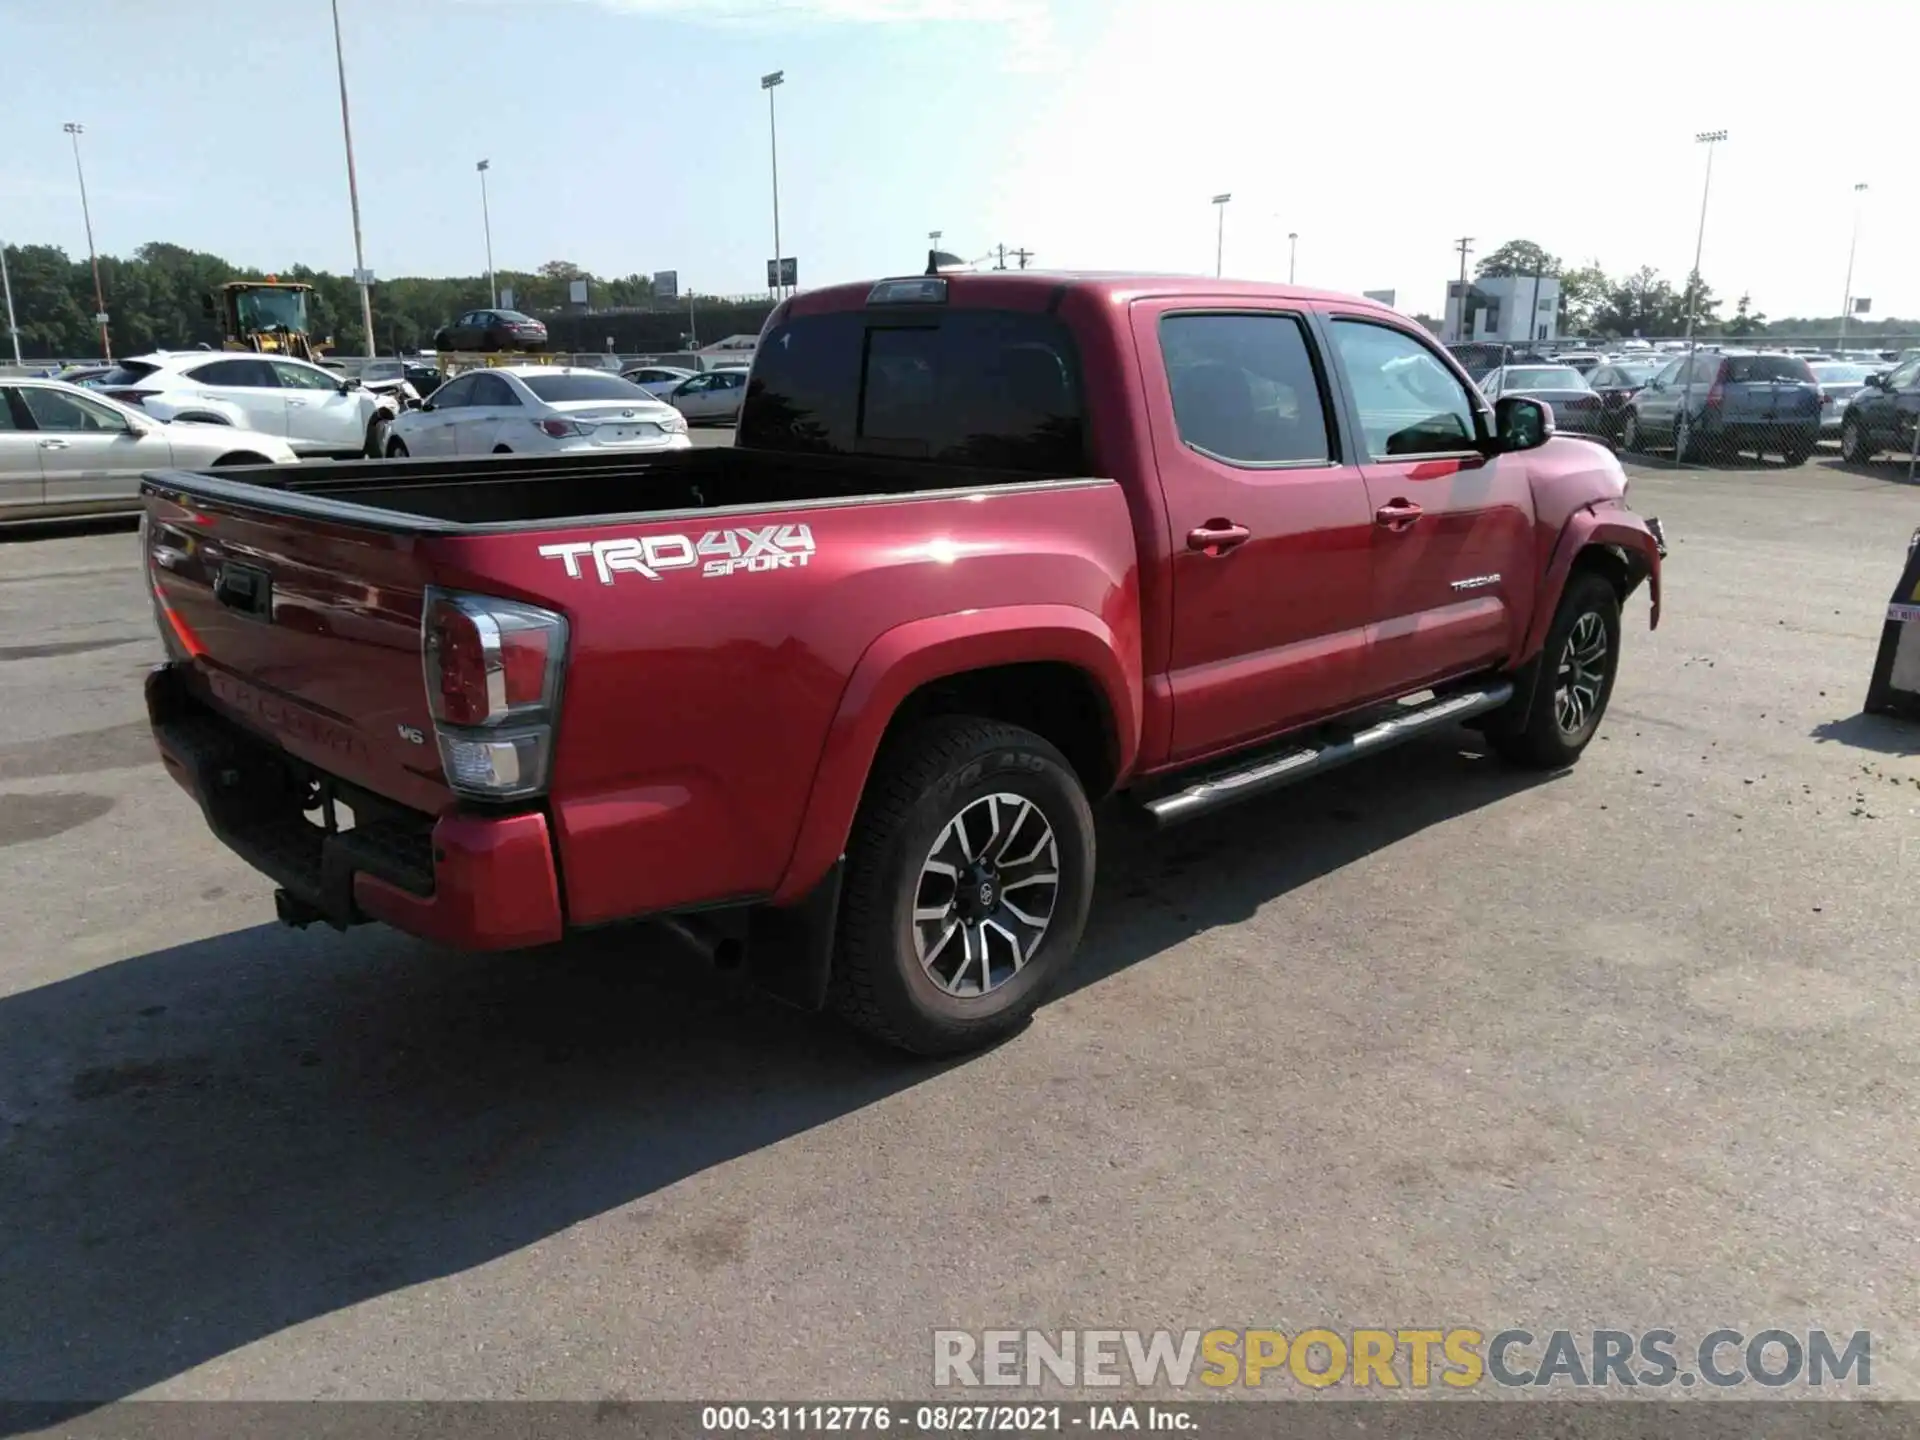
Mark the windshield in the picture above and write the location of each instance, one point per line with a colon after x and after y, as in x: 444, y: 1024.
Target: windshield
x: 1543, y: 377
x: 562, y: 388
x: 273, y: 310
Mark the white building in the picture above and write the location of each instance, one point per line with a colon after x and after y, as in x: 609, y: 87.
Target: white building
x: 1510, y: 308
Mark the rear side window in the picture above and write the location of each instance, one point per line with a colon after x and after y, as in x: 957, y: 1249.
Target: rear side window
x: 1244, y: 388
x: 1741, y: 368
x: 7, y: 422
x: 998, y: 389
x: 246, y: 374
x: 127, y: 372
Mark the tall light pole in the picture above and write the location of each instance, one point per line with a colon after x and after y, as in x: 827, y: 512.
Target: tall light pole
x: 933, y: 236
x: 6, y: 284
x: 353, y: 189
x: 74, y: 132
x: 1846, y: 303
x: 768, y: 83
x: 1293, y: 252
x: 1220, y: 232
x: 486, y: 220
x: 1708, y: 138
x: 1465, y: 246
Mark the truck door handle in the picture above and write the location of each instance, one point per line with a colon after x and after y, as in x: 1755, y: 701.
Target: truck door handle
x: 53, y: 445
x: 1216, y: 537
x: 1397, y: 514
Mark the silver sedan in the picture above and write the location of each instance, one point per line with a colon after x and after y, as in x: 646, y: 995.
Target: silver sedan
x: 68, y: 451
x: 714, y: 396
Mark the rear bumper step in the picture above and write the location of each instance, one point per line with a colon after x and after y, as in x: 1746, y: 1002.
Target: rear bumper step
x: 1287, y: 767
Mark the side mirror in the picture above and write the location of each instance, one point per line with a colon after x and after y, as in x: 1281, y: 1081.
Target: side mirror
x: 1875, y: 382
x: 348, y: 385
x: 1522, y: 424
x: 426, y: 404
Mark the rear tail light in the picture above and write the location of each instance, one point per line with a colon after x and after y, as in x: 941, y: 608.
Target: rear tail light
x: 493, y: 671
x: 560, y: 429
x: 1716, y: 392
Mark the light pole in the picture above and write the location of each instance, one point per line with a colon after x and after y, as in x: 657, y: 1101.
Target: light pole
x: 486, y: 221
x: 933, y: 237
x: 1293, y: 253
x: 1708, y: 138
x: 769, y: 83
x: 6, y: 284
x: 1846, y: 303
x: 74, y: 132
x: 1220, y: 232
x: 353, y: 189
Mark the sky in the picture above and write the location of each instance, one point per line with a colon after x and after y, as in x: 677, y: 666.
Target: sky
x: 632, y: 136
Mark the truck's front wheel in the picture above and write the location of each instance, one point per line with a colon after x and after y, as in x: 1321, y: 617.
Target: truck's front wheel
x: 1579, y: 660
x: 968, y: 879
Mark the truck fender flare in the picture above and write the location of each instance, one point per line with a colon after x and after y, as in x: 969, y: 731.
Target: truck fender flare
x: 903, y: 659
x: 1585, y: 529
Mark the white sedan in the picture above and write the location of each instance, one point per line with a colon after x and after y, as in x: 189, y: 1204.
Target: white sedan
x: 536, y: 410
x: 314, y: 410
x: 65, y: 450
x: 713, y: 395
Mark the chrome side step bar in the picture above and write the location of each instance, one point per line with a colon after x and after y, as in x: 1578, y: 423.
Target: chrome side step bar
x: 1274, y: 771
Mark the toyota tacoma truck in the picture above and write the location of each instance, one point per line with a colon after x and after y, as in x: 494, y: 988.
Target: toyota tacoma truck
x: 836, y: 700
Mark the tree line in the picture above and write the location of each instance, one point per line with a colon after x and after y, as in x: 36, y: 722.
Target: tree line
x: 155, y: 301
x: 1644, y: 302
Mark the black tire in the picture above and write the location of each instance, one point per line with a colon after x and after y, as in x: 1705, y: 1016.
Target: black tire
x: 924, y: 782
x: 376, y: 437
x: 1686, y: 444
x: 1630, y: 437
x: 1855, y: 447
x: 397, y: 449
x: 241, y: 457
x: 501, y: 450
x: 1539, y: 739
x: 1797, y: 451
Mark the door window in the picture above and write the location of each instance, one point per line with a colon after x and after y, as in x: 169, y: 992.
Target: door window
x: 57, y: 410
x: 1409, y: 402
x: 1905, y: 376
x: 7, y: 422
x: 243, y: 374
x: 492, y: 390
x: 1245, y: 390
x: 302, y: 377
x: 455, y: 393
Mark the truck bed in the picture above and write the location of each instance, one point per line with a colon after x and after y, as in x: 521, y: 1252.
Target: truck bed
x: 479, y: 494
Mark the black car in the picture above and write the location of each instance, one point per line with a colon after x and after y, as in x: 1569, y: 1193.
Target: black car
x: 1881, y: 416
x: 1616, y: 382
x: 491, y: 330
x: 1724, y: 401
x: 1576, y: 408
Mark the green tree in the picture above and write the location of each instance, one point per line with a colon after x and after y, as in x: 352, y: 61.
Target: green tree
x: 1746, y: 320
x: 1517, y: 257
x: 1583, y: 290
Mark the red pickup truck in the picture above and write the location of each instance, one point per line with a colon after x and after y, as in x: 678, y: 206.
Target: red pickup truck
x: 989, y: 547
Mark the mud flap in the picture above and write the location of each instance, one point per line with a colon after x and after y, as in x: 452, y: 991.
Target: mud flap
x: 790, y: 947
x: 1895, y: 686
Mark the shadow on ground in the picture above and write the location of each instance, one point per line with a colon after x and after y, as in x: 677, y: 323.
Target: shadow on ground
x: 204, y: 1145
x: 1879, y: 733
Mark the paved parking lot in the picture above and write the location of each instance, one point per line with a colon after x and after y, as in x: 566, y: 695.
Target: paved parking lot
x: 1426, y: 1043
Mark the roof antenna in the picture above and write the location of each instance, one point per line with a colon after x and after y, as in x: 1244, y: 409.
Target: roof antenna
x: 933, y: 262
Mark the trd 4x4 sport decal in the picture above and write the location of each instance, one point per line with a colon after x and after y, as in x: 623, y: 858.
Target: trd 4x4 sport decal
x: 716, y: 553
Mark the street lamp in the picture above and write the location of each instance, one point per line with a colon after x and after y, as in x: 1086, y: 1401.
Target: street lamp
x: 1846, y: 303
x: 1220, y: 233
x: 6, y: 284
x: 1708, y: 138
x: 360, y: 272
x: 768, y: 83
x: 486, y: 220
x: 74, y: 132
x: 1293, y: 251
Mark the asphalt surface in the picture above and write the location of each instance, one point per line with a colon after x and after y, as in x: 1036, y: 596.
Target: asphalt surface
x: 1421, y: 1043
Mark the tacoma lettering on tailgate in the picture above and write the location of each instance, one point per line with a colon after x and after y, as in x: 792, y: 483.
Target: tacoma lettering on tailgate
x: 716, y: 553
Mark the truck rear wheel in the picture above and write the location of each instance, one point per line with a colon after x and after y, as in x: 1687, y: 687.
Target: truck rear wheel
x: 1577, y: 666
x: 968, y: 879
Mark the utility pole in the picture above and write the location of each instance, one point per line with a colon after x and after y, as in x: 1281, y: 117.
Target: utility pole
x: 1463, y: 245
x: 74, y: 132
x: 1846, y: 303
x: 1220, y: 234
x: 768, y: 84
x: 6, y: 284
x: 360, y: 273
x: 1023, y: 256
x: 1002, y: 264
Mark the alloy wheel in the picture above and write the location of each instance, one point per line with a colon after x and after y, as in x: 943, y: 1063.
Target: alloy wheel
x: 985, y: 895
x: 1583, y: 671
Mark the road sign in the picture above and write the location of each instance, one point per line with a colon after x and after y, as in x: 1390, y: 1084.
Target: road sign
x: 666, y: 284
x: 101, y: 318
x: 363, y: 277
x: 577, y: 291
x: 1862, y: 307
x: 784, y: 272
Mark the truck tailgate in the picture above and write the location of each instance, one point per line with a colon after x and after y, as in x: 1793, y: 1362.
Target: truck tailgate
x: 306, y: 633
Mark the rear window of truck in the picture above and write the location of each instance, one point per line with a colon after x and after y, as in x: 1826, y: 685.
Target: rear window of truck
x: 996, y: 389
